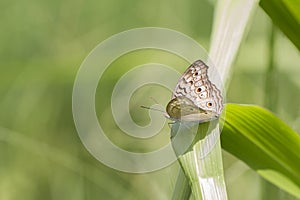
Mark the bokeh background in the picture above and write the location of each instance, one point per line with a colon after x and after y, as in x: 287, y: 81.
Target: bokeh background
x: 43, y: 44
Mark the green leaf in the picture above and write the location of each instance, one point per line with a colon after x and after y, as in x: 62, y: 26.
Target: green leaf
x: 201, y: 162
x: 286, y: 15
x: 264, y: 143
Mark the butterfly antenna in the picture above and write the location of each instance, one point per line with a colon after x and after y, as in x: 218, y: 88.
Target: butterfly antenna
x: 152, y: 109
x: 154, y: 100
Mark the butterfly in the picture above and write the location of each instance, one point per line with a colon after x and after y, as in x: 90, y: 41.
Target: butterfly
x: 195, y: 98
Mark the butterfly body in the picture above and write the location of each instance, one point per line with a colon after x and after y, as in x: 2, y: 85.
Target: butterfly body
x: 195, y: 98
x: 182, y: 108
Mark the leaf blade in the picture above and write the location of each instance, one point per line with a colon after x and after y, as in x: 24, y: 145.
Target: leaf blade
x: 264, y: 143
x: 285, y: 14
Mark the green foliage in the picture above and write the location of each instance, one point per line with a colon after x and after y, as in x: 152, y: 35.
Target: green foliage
x: 265, y: 143
x: 286, y: 15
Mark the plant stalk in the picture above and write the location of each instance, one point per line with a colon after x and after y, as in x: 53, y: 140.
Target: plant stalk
x: 205, y: 173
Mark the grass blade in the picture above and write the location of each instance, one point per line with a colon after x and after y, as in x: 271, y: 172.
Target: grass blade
x: 286, y: 15
x: 264, y: 143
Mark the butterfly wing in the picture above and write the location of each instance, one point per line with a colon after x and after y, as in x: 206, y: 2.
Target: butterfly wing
x: 195, y: 85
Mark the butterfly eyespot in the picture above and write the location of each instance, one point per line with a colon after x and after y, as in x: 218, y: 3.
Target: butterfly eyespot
x: 196, y: 74
x: 203, y: 95
x: 209, y: 104
x: 198, y: 89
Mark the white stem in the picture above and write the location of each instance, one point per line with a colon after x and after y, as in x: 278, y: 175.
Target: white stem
x: 210, y: 171
x: 230, y: 20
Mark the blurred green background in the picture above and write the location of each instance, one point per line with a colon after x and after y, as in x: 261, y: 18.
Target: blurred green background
x: 43, y: 44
